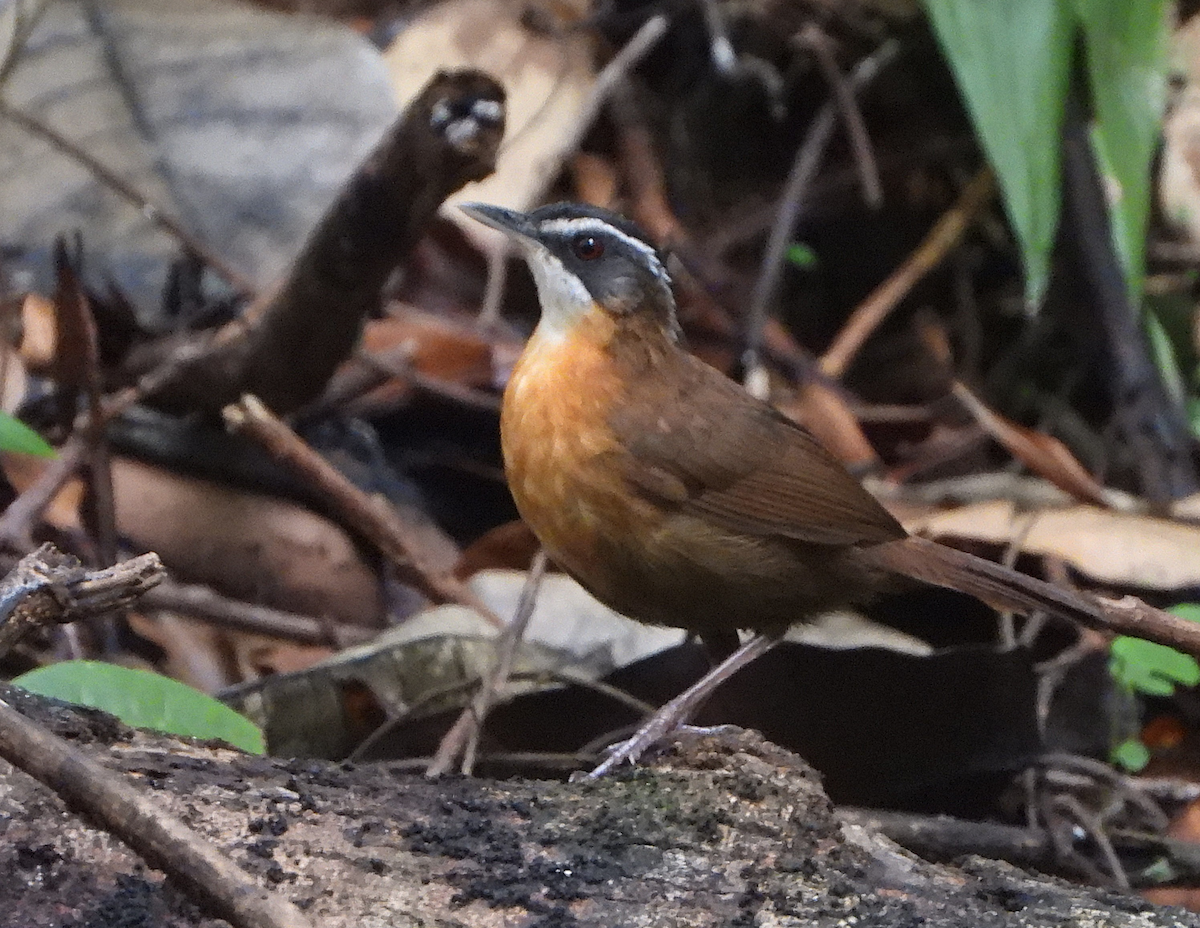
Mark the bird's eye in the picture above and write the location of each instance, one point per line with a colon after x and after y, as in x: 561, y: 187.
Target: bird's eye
x: 587, y: 247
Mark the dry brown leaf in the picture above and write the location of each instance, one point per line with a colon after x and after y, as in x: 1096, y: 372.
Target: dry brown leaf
x: 251, y: 547
x: 23, y: 470
x: 39, y: 333
x: 510, y: 546
x: 822, y: 411
x: 1123, y: 549
x: 1043, y: 454
x: 434, y: 346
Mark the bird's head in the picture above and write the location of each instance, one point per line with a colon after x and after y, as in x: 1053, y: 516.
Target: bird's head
x: 586, y: 259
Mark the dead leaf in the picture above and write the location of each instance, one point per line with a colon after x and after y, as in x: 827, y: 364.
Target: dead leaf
x: 1043, y: 454
x: 1122, y: 549
x: 251, y: 547
x: 821, y: 410
x: 510, y: 546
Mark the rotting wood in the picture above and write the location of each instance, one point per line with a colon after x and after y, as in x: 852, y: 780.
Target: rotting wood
x: 727, y: 830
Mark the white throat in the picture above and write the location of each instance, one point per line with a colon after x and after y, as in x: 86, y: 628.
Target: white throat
x: 564, y: 298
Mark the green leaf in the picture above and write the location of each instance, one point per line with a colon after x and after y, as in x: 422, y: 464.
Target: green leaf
x: 144, y: 700
x: 1011, y: 60
x: 1154, y: 669
x: 802, y: 256
x: 15, y: 435
x: 1130, y: 755
x: 1126, y: 50
x: 1189, y: 611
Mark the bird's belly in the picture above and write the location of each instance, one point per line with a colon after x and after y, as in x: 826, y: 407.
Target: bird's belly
x: 661, y: 567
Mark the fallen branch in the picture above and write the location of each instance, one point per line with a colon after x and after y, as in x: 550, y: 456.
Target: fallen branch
x: 370, y: 516
x: 48, y: 587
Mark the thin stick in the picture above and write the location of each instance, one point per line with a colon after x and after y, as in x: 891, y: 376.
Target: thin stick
x: 814, y: 38
x: 206, y: 604
x: 565, y: 675
x: 463, y: 736
x: 799, y: 182
x: 210, y: 878
x: 16, y: 524
x: 624, y: 61
x: 47, y: 587
x: 370, y: 516
x: 941, y: 240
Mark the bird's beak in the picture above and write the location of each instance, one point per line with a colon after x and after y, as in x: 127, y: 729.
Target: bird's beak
x: 508, y: 221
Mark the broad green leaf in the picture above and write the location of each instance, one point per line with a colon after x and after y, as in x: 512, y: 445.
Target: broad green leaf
x: 1126, y: 50
x: 144, y: 700
x: 15, y: 435
x: 1154, y: 669
x: 1130, y: 755
x: 1011, y: 60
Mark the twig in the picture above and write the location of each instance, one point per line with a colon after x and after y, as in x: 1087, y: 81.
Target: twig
x: 166, y: 843
x: 814, y: 38
x: 151, y: 211
x: 372, y: 517
x: 731, y: 65
x: 204, y: 603
x: 463, y: 737
x: 48, y: 587
x: 643, y: 42
x: 566, y: 675
x: 78, y: 369
x: 804, y: 170
x: 1092, y: 824
x: 942, y: 238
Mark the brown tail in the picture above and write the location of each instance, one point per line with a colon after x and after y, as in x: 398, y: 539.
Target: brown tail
x: 998, y: 586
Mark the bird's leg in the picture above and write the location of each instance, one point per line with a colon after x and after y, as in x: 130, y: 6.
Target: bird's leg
x: 675, y: 713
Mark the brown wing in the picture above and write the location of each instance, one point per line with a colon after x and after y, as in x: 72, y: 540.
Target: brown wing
x: 715, y: 451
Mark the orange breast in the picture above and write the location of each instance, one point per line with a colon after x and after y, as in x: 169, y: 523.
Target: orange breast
x: 564, y: 468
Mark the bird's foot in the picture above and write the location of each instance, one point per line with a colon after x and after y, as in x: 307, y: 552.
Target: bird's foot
x: 675, y: 713
x: 666, y: 720
x: 632, y: 749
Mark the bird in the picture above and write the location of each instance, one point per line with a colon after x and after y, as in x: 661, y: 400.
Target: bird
x: 669, y: 492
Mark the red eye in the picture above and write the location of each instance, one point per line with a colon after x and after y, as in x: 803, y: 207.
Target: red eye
x: 587, y: 248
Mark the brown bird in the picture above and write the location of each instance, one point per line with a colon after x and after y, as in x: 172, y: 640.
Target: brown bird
x: 670, y: 493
